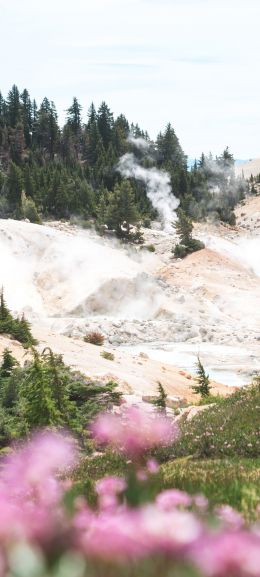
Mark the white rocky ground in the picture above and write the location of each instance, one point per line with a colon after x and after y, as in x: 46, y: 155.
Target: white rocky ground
x: 70, y: 282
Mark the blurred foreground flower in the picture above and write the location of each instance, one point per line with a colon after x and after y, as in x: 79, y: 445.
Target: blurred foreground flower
x: 43, y: 532
x: 134, y: 432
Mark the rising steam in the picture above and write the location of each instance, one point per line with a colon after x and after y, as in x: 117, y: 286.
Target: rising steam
x: 48, y: 272
x: 158, y: 183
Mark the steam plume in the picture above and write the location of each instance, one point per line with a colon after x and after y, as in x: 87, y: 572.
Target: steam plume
x: 158, y: 183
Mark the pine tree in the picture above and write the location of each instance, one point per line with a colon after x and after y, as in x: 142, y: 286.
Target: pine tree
x: 3, y: 111
x: 47, y: 130
x: 59, y: 379
x: 8, y: 364
x: 29, y: 210
x: 5, y: 314
x: 13, y: 106
x: 184, y: 228
x: 22, y: 332
x: 203, y: 387
x: 105, y: 123
x: 14, y: 186
x: 74, y: 115
x: 160, y: 402
x: 92, y: 115
x: 170, y: 153
x: 37, y: 396
x: 122, y: 212
x: 27, y: 116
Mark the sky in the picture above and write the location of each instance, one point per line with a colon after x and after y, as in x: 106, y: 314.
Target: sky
x: 193, y: 63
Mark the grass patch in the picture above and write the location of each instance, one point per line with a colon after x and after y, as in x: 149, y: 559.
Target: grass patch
x: 107, y: 355
x: 235, y: 482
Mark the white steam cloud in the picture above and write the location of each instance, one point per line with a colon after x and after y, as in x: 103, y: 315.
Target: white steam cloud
x: 139, y: 142
x: 50, y: 272
x: 158, y: 183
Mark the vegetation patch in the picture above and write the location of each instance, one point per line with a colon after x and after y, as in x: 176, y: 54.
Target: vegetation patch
x: 18, y: 328
x: 231, y: 427
x: 107, y: 355
x: 94, y: 338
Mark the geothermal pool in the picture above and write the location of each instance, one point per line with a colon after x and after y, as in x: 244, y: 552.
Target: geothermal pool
x: 224, y: 364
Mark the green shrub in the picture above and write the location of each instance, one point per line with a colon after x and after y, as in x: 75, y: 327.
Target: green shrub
x: 29, y: 211
x: 180, y: 251
x: 231, y: 427
x: 46, y: 392
x: 150, y: 247
x: 19, y: 329
x: 94, y: 338
x: 107, y: 355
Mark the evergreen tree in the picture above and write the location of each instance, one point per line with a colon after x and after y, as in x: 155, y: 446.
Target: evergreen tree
x: 8, y: 363
x: 3, y: 111
x: 37, y: 396
x: 59, y: 379
x: 92, y: 115
x: 74, y: 115
x: 17, y: 143
x: 22, y: 332
x: 203, y: 387
x: 13, y: 106
x: 47, y: 130
x: 64, y: 170
x: 5, y: 314
x: 160, y: 402
x: 170, y: 153
x: 14, y: 186
x: 29, y: 210
x: 184, y: 228
x: 122, y: 212
x: 105, y: 123
x: 27, y: 116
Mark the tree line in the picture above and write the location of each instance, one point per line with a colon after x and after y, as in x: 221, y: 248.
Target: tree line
x: 48, y: 171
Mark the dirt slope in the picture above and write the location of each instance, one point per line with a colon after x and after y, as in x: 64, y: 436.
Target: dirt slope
x: 136, y: 375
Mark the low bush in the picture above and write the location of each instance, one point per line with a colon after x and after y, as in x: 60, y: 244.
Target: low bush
x: 18, y: 328
x: 95, y: 338
x: 47, y: 393
x: 149, y: 247
x: 107, y: 355
x: 180, y: 250
x: 231, y: 427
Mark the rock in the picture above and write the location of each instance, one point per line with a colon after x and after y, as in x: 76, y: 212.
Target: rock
x: 181, y: 299
x: 192, y: 411
x: 115, y: 340
x: 143, y: 355
x: 173, y: 402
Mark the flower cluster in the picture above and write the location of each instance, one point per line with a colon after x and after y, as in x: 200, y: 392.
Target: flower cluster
x: 41, y: 535
x: 134, y: 432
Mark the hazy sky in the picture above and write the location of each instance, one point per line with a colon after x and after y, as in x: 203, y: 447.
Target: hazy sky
x: 194, y: 63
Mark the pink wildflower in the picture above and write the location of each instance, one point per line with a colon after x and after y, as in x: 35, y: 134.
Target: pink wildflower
x: 201, y: 502
x: 172, y: 498
x: 108, y: 490
x: 170, y: 531
x: 134, y: 431
x: 230, y: 517
x: 114, y: 536
x: 152, y: 466
x: 221, y: 555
